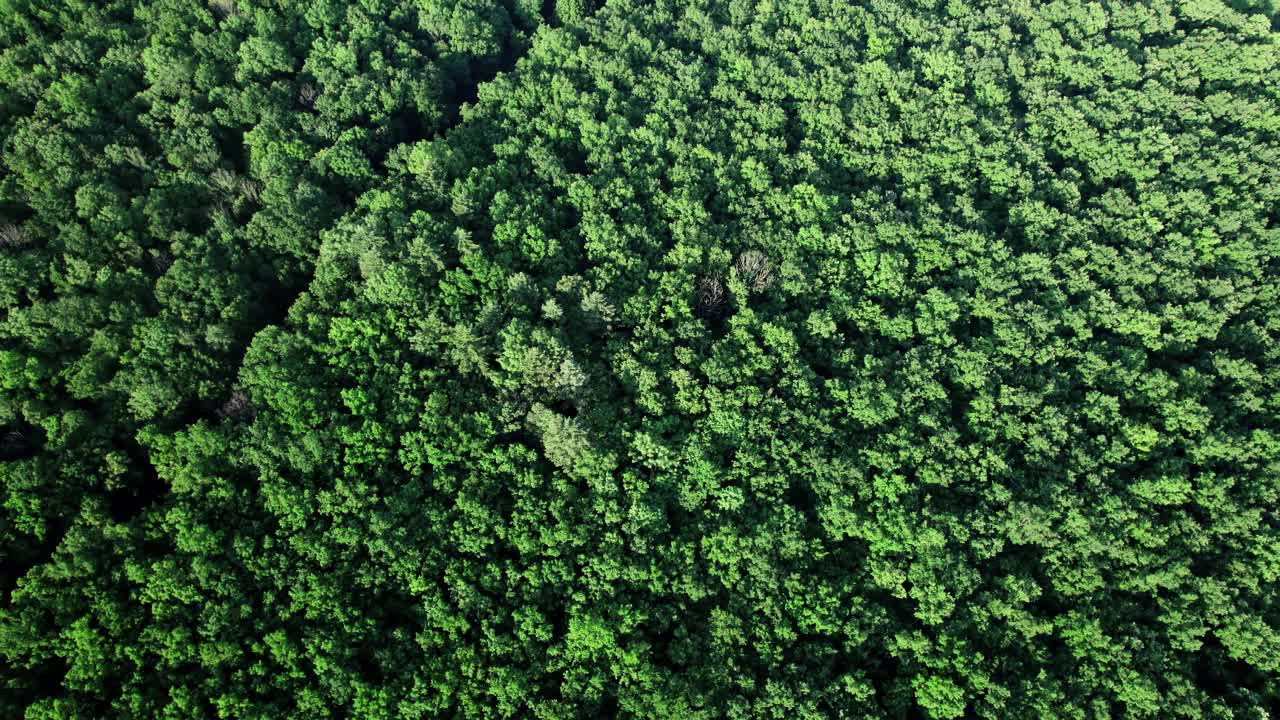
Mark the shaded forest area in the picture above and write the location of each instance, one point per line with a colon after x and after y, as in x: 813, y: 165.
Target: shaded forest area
x: 700, y: 359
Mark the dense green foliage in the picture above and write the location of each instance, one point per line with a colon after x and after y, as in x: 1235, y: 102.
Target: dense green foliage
x: 791, y: 359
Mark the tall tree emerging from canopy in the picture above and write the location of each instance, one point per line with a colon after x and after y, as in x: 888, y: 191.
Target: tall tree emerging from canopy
x: 799, y: 359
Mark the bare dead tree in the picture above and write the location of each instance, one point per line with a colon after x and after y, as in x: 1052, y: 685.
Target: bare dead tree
x: 709, y: 296
x: 224, y: 8
x: 13, y: 236
x: 307, y: 94
x: 237, y: 407
x: 755, y: 269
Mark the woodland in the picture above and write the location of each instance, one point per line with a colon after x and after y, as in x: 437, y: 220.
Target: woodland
x: 688, y: 359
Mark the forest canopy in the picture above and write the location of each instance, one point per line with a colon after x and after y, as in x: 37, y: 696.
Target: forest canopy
x: 685, y: 359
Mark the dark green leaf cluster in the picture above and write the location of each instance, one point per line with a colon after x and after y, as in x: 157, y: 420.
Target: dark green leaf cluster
x: 712, y: 359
